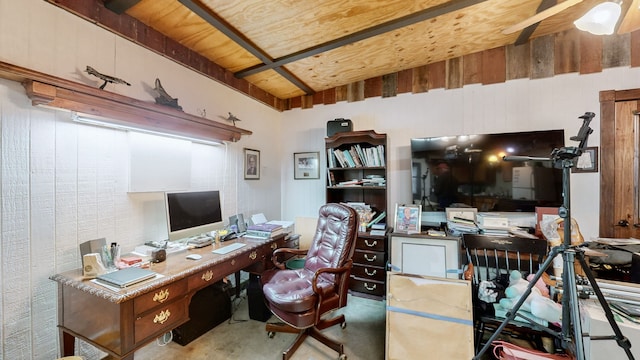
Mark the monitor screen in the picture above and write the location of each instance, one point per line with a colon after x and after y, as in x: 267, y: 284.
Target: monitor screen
x: 192, y: 213
x: 469, y: 171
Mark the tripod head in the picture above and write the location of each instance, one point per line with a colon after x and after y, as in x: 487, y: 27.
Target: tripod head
x: 569, y: 153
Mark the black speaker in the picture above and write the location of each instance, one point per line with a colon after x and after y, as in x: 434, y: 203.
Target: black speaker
x: 258, y: 310
x: 209, y: 307
x: 338, y: 126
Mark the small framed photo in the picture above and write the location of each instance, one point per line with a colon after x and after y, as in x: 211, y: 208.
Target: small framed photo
x: 306, y: 165
x: 587, y: 162
x: 408, y: 219
x: 251, y: 164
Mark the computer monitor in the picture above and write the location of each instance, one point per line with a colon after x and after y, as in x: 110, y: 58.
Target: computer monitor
x: 192, y: 213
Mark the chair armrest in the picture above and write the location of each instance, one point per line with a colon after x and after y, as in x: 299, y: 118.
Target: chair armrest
x: 338, y: 271
x: 280, y: 251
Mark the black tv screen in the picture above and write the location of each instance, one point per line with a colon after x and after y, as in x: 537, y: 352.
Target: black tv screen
x: 469, y: 171
x: 192, y: 213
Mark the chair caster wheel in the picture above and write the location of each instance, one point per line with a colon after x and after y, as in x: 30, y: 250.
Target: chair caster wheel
x: 271, y: 334
x: 343, y: 357
x: 343, y: 325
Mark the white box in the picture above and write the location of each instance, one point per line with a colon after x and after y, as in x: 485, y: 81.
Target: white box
x: 595, y: 323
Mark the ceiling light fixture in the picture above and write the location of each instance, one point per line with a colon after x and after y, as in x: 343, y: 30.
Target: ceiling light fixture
x: 601, y: 20
x: 83, y: 119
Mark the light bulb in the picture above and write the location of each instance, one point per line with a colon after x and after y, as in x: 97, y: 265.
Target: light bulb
x: 601, y: 20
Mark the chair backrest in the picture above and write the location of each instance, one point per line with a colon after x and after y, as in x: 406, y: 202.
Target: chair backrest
x: 333, y: 243
x: 495, y: 255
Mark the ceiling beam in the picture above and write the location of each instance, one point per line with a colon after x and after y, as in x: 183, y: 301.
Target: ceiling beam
x: 119, y: 6
x: 392, y: 25
x: 209, y: 16
x: 526, y: 33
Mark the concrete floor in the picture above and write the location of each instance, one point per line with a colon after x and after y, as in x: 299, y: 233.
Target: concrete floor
x: 242, y: 338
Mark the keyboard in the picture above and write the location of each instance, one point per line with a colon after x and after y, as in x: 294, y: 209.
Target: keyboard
x: 228, y: 248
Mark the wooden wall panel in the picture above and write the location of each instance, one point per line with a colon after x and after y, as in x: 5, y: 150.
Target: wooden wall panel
x: 615, y: 51
x: 454, y: 73
x: 518, y: 61
x: 306, y: 101
x: 355, y: 91
x: 590, y: 53
x: 341, y: 93
x: 542, y: 57
x: 318, y: 98
x: 567, y: 52
x: 472, y: 69
x: 373, y: 87
x: 329, y: 96
x: 405, y: 80
x: 436, y: 75
x: 494, y: 66
x: 390, y: 85
x: 420, y: 79
x: 635, y: 48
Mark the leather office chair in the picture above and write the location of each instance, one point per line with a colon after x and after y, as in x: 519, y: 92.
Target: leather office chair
x: 300, y: 297
x: 495, y: 256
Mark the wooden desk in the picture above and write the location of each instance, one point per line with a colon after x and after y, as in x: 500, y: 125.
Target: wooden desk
x: 121, y: 322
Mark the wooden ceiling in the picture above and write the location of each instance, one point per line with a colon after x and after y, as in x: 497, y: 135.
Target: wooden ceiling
x: 290, y: 48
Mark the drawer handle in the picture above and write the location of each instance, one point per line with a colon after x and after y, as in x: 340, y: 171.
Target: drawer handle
x: 161, y: 296
x: 366, y: 242
x: 274, y: 246
x: 253, y: 255
x: 366, y: 256
x: 207, y: 276
x: 372, y: 288
x: 162, y: 317
x: 366, y: 271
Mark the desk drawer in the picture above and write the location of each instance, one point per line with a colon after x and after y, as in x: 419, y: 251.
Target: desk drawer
x: 217, y: 272
x: 370, y: 258
x: 370, y: 287
x: 373, y: 244
x: 159, y: 296
x: 162, y: 319
x: 369, y: 272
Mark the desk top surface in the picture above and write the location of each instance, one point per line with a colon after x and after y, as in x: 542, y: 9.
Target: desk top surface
x: 176, y: 267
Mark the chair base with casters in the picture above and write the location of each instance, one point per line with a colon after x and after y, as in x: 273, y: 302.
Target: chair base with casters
x: 303, y: 298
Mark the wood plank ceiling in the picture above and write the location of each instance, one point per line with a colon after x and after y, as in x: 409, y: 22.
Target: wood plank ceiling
x: 289, y: 48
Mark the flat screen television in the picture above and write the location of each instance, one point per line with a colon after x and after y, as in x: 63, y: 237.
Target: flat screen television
x: 469, y: 170
x: 192, y: 213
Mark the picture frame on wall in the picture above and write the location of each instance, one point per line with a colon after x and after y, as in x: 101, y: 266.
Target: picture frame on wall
x: 587, y: 162
x: 251, y: 164
x: 408, y: 219
x: 306, y: 165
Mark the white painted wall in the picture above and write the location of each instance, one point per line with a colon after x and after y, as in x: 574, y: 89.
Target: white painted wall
x: 62, y: 183
x: 518, y: 105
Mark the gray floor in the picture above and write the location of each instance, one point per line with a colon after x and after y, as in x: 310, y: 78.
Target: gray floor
x: 243, y: 338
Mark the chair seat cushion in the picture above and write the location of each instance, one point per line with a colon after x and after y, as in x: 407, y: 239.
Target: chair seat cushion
x: 291, y: 290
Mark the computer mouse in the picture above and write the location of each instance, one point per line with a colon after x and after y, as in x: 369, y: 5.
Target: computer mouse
x: 194, y: 257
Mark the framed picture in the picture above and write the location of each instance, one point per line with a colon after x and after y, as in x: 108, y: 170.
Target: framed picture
x: 306, y: 165
x: 587, y: 162
x: 251, y: 164
x: 407, y: 219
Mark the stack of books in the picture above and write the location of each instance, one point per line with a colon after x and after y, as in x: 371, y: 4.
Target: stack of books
x: 264, y: 230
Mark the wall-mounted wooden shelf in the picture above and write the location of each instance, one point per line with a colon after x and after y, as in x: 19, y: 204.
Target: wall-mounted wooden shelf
x: 56, y: 92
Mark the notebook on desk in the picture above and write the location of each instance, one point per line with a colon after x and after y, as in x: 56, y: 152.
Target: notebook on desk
x: 126, y: 277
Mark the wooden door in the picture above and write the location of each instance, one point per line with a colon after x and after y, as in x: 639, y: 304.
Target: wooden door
x: 620, y: 154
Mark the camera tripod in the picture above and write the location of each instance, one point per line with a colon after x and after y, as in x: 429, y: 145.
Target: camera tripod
x: 570, y: 335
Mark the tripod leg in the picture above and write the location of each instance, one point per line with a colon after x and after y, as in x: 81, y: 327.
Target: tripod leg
x: 513, y: 312
x: 570, y: 304
x: 622, y: 341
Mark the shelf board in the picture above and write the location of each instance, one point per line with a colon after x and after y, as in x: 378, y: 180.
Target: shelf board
x: 55, y: 92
